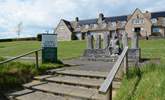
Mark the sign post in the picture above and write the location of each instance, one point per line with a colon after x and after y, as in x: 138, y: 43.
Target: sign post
x: 49, y: 48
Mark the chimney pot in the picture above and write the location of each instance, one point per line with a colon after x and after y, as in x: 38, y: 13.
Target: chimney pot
x: 76, y: 19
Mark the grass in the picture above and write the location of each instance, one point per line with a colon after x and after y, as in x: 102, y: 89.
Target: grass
x: 14, y: 74
x: 72, y: 49
x: 147, y: 83
x: 66, y: 50
x: 153, y: 49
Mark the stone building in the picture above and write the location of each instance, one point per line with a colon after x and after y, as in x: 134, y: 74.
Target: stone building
x: 147, y: 23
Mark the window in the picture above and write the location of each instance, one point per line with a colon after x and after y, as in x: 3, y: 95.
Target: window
x: 156, y: 29
x: 113, y: 24
x: 138, y: 21
x: 122, y: 23
x: 164, y: 21
x: 95, y: 25
x: 78, y: 27
x: 154, y: 20
x: 104, y: 25
x: 61, y: 28
x: 86, y: 26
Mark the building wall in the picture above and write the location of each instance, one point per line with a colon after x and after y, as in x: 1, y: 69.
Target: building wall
x: 62, y: 31
x: 162, y: 32
x: 161, y: 22
x: 144, y: 25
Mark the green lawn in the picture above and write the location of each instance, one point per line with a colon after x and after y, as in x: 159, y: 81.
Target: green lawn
x: 66, y: 50
x: 148, y: 83
x: 16, y: 73
x: 71, y: 49
x: 153, y: 49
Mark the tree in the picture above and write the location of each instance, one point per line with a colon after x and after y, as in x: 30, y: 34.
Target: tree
x: 19, y: 28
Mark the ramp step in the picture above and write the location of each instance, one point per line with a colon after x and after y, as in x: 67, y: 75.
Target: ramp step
x: 83, y: 73
x: 18, y: 93
x: 42, y: 77
x: 39, y: 96
x: 89, y: 82
x: 67, y: 90
x: 33, y: 83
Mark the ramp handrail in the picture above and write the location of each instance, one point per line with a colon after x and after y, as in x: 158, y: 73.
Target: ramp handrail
x: 17, y: 57
x: 107, y: 84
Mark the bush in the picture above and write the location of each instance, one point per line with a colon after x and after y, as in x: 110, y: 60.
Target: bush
x: 18, y: 39
x: 6, y: 40
x: 14, y: 74
x: 2, y: 59
x: 39, y: 37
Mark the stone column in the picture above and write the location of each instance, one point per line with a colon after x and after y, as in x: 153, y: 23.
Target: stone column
x: 98, y: 42
x: 135, y: 41
x: 124, y: 39
x: 89, y: 42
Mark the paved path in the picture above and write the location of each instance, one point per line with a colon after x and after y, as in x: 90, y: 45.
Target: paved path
x: 78, y: 64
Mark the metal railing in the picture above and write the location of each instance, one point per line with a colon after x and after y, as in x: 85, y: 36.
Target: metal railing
x: 17, y: 57
x: 106, y: 87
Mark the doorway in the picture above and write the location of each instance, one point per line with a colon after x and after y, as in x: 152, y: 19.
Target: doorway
x: 137, y: 29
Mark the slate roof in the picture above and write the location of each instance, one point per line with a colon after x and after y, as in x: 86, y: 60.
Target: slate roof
x: 114, y: 18
x: 107, y: 19
x: 119, y: 18
x: 68, y: 24
x: 158, y: 14
x: 88, y: 21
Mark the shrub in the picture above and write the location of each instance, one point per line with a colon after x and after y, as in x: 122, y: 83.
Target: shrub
x: 14, y: 74
x: 39, y: 37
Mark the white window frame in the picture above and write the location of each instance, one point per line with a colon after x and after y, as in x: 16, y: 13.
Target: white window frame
x: 104, y: 25
x: 86, y: 26
x: 113, y: 24
x: 138, y: 21
x: 61, y: 28
x: 154, y: 20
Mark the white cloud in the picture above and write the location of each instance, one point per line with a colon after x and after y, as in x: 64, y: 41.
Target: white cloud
x: 40, y: 15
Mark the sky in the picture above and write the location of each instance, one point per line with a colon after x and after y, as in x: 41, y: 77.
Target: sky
x: 39, y: 16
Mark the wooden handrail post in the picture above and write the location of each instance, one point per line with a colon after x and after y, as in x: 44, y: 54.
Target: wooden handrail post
x: 126, y: 63
x: 109, y: 93
x: 36, y: 54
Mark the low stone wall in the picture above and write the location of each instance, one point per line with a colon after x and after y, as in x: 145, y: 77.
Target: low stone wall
x: 134, y: 54
x: 98, y: 55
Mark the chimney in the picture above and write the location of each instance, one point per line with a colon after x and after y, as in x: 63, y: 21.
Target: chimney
x: 101, y: 18
x: 76, y: 19
x: 147, y: 11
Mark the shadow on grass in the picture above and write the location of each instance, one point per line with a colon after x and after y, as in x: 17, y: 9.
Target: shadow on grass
x: 138, y: 73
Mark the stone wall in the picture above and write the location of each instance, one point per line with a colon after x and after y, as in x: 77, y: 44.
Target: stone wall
x: 145, y: 26
x: 62, y: 31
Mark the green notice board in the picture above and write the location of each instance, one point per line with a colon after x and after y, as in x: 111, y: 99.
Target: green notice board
x: 49, y: 48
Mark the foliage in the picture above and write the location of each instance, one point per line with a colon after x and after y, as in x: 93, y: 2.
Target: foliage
x: 146, y: 83
x: 14, y: 74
